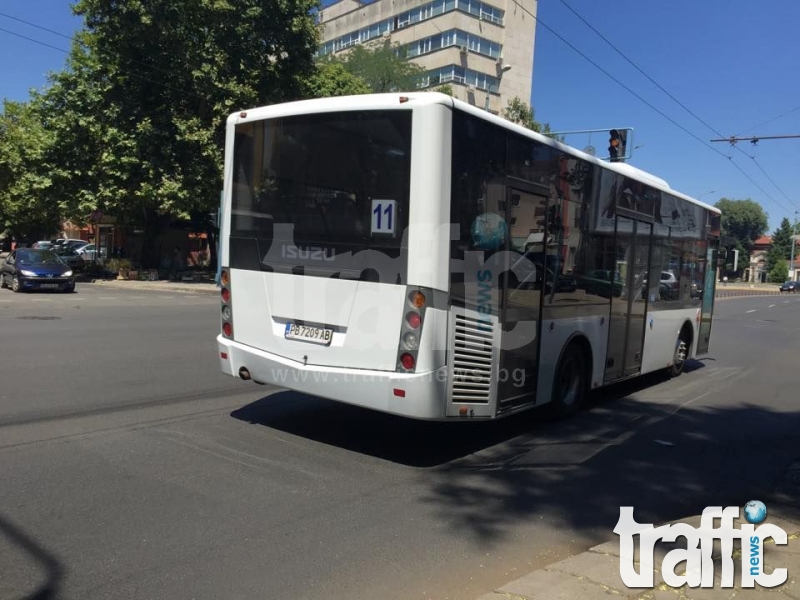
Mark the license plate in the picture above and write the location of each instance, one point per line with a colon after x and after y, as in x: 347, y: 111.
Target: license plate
x: 317, y: 335
x: 49, y: 286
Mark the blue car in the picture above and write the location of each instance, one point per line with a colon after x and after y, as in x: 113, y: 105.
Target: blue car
x: 29, y: 269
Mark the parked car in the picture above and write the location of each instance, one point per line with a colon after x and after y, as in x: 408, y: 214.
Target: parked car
x: 791, y: 286
x: 29, y: 269
x: 44, y: 244
x: 75, y: 243
x: 89, y: 251
x: 599, y: 283
x: 70, y: 256
x: 669, y: 278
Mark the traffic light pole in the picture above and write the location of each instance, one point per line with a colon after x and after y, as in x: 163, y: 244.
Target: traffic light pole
x: 620, y: 141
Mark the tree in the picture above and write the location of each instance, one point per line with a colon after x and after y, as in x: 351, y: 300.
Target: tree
x: 744, y: 221
x: 445, y: 89
x: 780, y: 272
x: 333, y: 79
x: 519, y: 112
x: 147, y: 92
x: 28, y: 208
x: 781, y: 244
x: 383, y: 66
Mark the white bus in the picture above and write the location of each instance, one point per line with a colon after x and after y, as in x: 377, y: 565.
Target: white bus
x: 412, y: 254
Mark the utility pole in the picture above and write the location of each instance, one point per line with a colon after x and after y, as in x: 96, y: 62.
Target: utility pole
x: 755, y: 139
x: 793, y: 241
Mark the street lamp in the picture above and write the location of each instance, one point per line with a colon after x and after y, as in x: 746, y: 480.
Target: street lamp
x: 503, y: 69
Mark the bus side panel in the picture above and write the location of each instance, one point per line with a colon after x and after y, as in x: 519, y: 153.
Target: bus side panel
x: 556, y: 333
x: 661, y: 333
x: 429, y: 214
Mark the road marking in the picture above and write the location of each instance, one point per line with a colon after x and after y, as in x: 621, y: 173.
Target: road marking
x: 772, y: 305
x: 751, y: 311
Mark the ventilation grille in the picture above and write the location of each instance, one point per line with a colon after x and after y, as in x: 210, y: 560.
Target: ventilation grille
x: 472, y: 360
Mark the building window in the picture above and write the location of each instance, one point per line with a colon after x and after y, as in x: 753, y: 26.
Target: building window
x: 454, y: 37
x: 475, y: 8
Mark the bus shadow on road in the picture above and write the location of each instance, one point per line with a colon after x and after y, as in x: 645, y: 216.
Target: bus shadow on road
x: 33, y: 551
x: 669, y: 448
x: 419, y: 443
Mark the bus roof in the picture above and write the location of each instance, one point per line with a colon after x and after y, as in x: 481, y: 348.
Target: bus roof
x: 415, y: 99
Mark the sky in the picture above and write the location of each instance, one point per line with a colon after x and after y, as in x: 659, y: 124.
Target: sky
x: 735, y: 64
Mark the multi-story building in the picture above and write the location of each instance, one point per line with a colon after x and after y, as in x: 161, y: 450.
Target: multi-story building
x: 483, y: 49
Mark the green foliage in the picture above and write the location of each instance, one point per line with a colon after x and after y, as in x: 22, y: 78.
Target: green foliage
x: 780, y: 272
x: 744, y: 221
x: 135, y: 124
x: 331, y: 78
x: 519, y: 112
x: 781, y: 244
x: 383, y: 67
x: 27, y: 205
x: 444, y: 89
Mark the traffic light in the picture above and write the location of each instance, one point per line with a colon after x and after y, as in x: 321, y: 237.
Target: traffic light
x: 616, y: 145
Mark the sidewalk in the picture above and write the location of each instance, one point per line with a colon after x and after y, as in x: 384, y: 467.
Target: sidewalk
x: 163, y: 286
x: 596, y: 573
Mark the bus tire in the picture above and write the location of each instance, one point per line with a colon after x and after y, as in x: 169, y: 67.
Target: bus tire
x: 682, y: 345
x: 570, y: 382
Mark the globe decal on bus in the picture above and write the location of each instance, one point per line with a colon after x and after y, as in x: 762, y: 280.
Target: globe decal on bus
x: 489, y: 231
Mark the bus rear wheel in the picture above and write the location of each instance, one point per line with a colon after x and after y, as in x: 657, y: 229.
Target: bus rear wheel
x: 679, y: 358
x: 569, y: 385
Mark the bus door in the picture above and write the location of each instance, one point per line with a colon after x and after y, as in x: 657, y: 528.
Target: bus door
x: 707, y: 297
x: 629, y: 308
x: 521, y: 298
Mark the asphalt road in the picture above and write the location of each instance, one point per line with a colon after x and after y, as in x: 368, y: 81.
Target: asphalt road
x: 131, y: 468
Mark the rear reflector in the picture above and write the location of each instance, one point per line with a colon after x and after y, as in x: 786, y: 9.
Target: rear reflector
x: 223, y: 355
x: 399, y: 393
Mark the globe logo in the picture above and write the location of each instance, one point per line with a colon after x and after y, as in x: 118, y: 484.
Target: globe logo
x: 489, y: 231
x: 755, y: 512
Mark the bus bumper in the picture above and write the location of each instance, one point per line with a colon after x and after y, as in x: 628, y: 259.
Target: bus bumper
x: 415, y: 395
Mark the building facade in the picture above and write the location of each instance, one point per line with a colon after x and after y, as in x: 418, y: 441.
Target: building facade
x: 482, y: 49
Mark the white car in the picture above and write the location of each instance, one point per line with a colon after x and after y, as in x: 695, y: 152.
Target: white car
x: 669, y: 280
x: 89, y: 250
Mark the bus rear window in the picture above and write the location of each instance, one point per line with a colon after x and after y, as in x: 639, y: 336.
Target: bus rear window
x: 341, y: 180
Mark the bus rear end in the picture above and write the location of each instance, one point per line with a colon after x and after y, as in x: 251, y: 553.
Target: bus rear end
x: 317, y: 294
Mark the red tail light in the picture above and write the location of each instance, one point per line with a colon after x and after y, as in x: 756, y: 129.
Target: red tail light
x: 414, y: 320
x: 227, y: 329
x: 407, y: 361
x: 226, y: 295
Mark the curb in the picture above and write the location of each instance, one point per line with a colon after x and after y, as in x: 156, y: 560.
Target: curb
x: 596, y: 572
x: 166, y: 287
